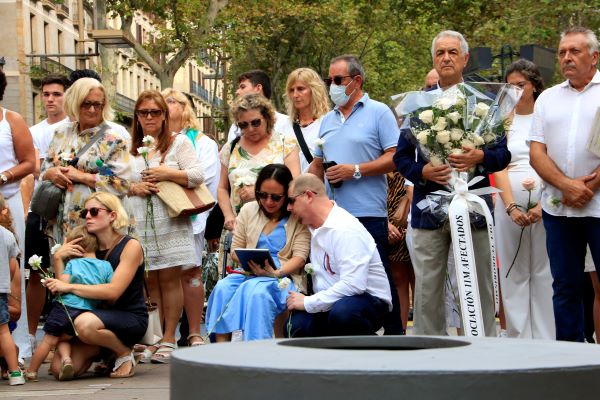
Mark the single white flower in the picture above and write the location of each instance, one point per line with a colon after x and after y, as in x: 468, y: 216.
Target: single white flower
x: 481, y: 110
x: 489, y: 138
x: 478, y: 140
x: 467, y: 143
x: 148, y: 140
x: 55, y: 248
x: 65, y: 156
x: 444, y: 103
x: 35, y: 262
x: 443, y: 137
x: 283, y: 283
x: 245, y: 181
x: 440, y: 124
x: 423, y: 136
x: 426, y: 116
x: 456, y: 134
x: 309, y: 269
x: 319, y: 142
x: 143, y: 150
x: 454, y: 117
x: 435, y: 160
x: 553, y: 202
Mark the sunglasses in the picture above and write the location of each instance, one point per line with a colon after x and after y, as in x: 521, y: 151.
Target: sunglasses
x: 337, y: 79
x: 255, y: 124
x: 292, y: 199
x: 89, y: 104
x: 93, y: 211
x: 147, y: 113
x: 275, y: 197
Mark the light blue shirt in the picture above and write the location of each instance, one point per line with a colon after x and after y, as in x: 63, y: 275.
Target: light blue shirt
x: 86, y: 271
x: 369, y: 130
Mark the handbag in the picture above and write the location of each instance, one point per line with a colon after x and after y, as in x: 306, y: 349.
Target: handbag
x: 182, y: 201
x: 47, y: 197
x: 154, y: 332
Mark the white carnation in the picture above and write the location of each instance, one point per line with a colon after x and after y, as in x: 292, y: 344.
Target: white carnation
x: 148, y: 140
x: 309, y: 268
x: 35, y: 262
x: 143, y: 150
x: 319, y: 142
x: 55, y: 248
x: 426, y: 116
x: 283, y: 283
x: 440, y: 124
x: 443, y: 137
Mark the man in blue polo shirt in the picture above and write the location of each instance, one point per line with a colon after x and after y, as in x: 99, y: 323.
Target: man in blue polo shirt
x: 360, y: 136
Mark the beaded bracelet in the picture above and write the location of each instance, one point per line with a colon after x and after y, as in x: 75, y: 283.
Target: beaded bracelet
x: 511, y: 207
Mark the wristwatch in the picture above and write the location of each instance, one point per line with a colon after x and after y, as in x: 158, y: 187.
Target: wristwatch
x: 3, y: 179
x: 357, y: 174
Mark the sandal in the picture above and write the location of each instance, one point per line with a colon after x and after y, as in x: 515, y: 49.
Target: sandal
x: 163, y: 354
x: 196, y: 343
x: 146, y: 355
x: 119, y: 362
x: 67, y: 372
x: 31, y: 376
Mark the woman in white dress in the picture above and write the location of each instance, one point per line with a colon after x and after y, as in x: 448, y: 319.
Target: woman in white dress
x: 183, y: 120
x: 167, y: 242
x: 527, y: 290
x: 307, y: 102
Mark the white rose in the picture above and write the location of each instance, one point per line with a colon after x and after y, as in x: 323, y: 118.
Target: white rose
x: 435, y: 160
x: 443, y: 137
x: 319, y: 142
x: 448, y: 146
x: 309, y: 269
x: 284, y: 283
x: 489, y: 138
x: 481, y: 110
x: 423, y: 136
x: 444, y: 103
x: 478, y: 140
x: 143, y: 150
x: 54, y: 248
x: 426, y: 116
x: 454, y: 116
x: 440, y: 124
x: 35, y: 261
x: 148, y: 140
x: 456, y: 151
x: 467, y: 143
x: 456, y: 134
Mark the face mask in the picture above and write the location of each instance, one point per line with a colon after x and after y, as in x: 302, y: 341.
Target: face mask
x: 338, y: 94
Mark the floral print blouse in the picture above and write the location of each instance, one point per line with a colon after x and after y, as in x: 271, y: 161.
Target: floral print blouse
x: 108, y: 158
x: 243, y: 167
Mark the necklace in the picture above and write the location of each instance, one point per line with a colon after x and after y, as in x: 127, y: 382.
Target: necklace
x: 306, y: 124
x: 115, y: 243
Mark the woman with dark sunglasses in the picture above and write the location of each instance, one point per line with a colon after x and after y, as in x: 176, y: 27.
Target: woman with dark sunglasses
x: 168, y: 242
x: 258, y: 146
x: 253, y: 303
x: 102, y: 167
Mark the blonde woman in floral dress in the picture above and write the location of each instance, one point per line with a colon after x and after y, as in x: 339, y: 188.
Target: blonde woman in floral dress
x: 167, y: 241
x: 258, y: 146
x: 103, y: 167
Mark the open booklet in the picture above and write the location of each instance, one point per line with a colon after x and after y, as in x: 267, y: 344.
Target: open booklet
x: 259, y: 256
x: 594, y: 140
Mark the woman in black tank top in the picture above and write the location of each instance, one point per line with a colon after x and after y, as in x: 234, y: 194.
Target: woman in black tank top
x: 125, y: 314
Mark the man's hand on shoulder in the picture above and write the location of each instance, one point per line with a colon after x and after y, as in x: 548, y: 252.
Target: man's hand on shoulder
x: 340, y: 172
x: 295, y: 301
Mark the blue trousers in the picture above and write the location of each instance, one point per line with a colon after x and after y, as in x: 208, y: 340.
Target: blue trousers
x: 566, y: 241
x: 378, y: 228
x: 361, y: 314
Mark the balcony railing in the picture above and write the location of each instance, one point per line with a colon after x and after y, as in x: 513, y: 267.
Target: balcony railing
x: 62, y: 11
x: 201, y: 92
x: 125, y: 104
x: 42, y: 66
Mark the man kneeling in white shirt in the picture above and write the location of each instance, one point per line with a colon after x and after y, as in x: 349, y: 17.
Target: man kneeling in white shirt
x: 352, y: 293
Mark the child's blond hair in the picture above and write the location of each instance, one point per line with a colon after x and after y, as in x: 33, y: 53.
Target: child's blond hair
x: 89, y: 242
x: 6, y: 220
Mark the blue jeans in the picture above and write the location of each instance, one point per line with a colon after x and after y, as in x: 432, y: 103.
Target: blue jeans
x: 566, y: 241
x: 361, y: 314
x: 378, y: 228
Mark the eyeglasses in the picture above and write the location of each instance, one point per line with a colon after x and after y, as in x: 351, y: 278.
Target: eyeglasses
x: 93, y: 211
x: 171, y: 100
x: 275, y: 197
x: 89, y: 104
x: 292, y: 199
x: 337, y: 79
x: 255, y: 124
x: 147, y: 113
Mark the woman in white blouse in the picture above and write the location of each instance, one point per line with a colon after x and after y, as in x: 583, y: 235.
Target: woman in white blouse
x: 167, y: 242
x: 527, y: 290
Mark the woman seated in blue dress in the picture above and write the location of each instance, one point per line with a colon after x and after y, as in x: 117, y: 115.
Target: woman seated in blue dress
x: 251, y: 303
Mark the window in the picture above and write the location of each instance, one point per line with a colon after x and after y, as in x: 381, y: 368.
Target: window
x: 47, y: 39
x: 33, y: 33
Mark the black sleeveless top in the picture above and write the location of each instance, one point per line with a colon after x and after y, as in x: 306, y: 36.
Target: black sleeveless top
x: 132, y: 299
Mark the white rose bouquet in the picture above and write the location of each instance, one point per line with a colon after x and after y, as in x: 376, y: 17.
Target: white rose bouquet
x: 467, y: 115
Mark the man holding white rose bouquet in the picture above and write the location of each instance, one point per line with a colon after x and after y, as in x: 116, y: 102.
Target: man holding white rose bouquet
x: 431, y: 237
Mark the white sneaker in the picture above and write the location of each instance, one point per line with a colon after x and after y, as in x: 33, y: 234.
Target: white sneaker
x: 16, y: 378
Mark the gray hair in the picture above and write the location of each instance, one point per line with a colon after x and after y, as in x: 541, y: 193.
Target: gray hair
x: 464, y: 46
x: 354, y: 66
x: 590, y: 36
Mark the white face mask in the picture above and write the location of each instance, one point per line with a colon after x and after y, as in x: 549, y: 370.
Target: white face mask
x: 338, y: 94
